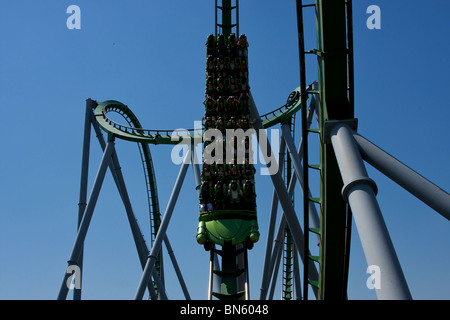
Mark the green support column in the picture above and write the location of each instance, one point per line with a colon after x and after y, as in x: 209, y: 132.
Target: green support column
x: 226, y: 22
x: 226, y: 18
x: 334, y: 105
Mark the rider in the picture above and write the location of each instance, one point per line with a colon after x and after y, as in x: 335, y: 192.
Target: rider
x: 221, y: 109
x: 219, y: 195
x: 209, y: 123
x: 232, y: 66
x: 249, y: 195
x: 245, y: 105
x: 210, y: 91
x: 248, y: 171
x: 221, y: 64
x: 211, y: 45
x: 205, y: 197
x: 209, y: 107
x: 232, y: 45
x: 207, y: 174
x: 220, y: 125
x: 234, y: 195
x: 234, y: 174
x: 221, y: 45
x: 221, y: 174
x: 242, y: 46
x: 210, y: 66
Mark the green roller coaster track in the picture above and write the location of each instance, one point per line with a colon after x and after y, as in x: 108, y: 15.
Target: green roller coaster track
x: 149, y: 174
x: 174, y: 137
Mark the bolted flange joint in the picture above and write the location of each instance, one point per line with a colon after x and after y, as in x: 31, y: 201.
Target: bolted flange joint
x: 358, y: 181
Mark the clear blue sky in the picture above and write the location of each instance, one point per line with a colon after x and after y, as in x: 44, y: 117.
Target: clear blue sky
x: 150, y: 55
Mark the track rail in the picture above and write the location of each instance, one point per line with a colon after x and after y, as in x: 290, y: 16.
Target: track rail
x: 172, y: 137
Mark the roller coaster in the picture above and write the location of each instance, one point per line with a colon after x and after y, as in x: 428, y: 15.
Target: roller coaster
x: 228, y: 215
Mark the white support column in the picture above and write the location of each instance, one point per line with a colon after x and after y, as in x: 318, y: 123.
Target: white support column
x: 359, y: 190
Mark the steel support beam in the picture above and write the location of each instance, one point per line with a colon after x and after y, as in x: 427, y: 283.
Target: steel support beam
x: 272, y: 222
x: 276, y: 256
x: 163, y: 228
x: 90, y: 104
x: 241, y: 279
x: 282, y: 193
x: 332, y: 58
x: 87, y: 216
x: 404, y: 176
x: 303, y: 97
x: 198, y: 182
x: 359, y: 190
x: 196, y: 169
x: 298, y: 169
x: 297, y: 284
x: 176, y: 268
x: 140, y: 243
x: 211, y: 274
x: 271, y: 258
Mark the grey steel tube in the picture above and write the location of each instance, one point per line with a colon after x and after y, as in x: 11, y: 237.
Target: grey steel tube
x: 84, y: 181
x: 163, y: 228
x: 297, y: 284
x: 282, y: 193
x: 196, y: 169
x: 139, y: 241
x: 176, y: 268
x: 211, y: 274
x: 270, y: 233
x: 198, y: 182
x: 404, y: 176
x: 298, y: 169
x: 87, y: 216
x: 359, y: 190
x: 84, y: 225
x: 141, y: 246
x: 138, y: 238
x: 276, y: 255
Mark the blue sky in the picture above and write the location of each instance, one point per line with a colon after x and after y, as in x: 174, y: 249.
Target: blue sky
x: 150, y: 55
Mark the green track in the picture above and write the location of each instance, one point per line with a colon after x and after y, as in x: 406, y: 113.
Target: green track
x: 334, y: 56
x: 150, y: 179
x: 173, y: 137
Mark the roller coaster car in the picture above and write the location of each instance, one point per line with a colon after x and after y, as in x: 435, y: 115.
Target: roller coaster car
x: 232, y: 219
x: 227, y: 209
x: 227, y: 226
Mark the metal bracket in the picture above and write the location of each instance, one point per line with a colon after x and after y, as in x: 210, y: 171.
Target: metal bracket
x: 329, y: 125
x: 357, y: 181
